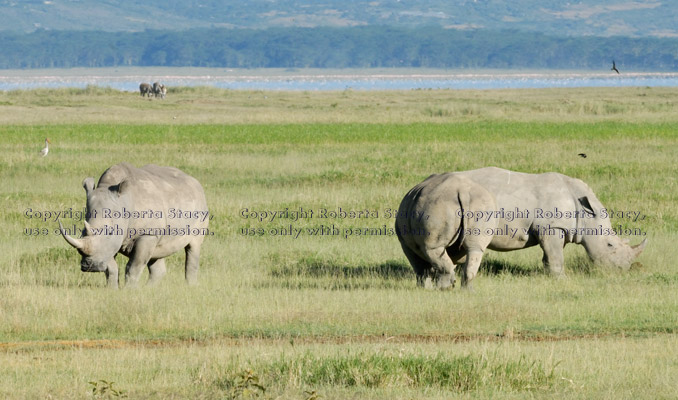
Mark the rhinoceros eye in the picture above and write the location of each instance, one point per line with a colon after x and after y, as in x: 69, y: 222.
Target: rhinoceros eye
x: 610, y: 245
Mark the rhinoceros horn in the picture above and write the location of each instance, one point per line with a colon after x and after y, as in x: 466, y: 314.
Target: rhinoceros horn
x: 637, y: 249
x: 88, y: 228
x: 77, y: 243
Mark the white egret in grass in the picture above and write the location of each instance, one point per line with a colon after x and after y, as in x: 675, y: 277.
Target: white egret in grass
x: 45, y: 150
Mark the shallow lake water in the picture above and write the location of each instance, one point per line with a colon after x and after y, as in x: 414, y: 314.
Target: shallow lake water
x: 412, y: 79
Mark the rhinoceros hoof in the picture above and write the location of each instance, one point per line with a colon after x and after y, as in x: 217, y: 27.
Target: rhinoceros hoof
x: 445, y: 281
x: 428, y: 283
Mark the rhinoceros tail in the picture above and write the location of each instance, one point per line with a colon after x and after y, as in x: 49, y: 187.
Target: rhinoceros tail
x: 464, y: 201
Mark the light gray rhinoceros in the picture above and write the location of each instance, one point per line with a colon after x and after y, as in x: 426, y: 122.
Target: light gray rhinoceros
x: 145, y: 213
x: 430, y: 224
x: 548, y: 209
x: 159, y: 90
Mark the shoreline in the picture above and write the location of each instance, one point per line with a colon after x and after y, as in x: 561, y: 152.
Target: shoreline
x: 128, y: 79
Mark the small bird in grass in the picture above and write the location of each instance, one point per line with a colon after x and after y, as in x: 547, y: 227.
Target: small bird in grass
x: 45, y: 150
x: 614, y: 67
x: 582, y: 155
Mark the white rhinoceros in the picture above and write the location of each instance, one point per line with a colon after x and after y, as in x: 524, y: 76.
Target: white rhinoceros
x: 145, y: 213
x: 547, y: 209
x: 430, y: 224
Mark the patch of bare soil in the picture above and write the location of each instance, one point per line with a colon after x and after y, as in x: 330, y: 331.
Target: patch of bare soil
x: 231, y: 341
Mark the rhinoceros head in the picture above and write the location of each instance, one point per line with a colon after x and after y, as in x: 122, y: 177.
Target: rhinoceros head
x: 600, y: 240
x: 103, y: 234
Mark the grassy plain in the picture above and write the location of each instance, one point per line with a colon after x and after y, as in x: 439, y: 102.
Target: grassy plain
x: 336, y: 315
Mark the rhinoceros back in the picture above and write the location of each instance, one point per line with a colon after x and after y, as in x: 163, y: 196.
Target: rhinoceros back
x: 173, y: 199
x: 156, y: 183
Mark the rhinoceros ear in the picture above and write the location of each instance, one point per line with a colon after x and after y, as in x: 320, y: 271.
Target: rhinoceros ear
x: 88, y: 184
x: 121, y: 188
x: 584, y: 201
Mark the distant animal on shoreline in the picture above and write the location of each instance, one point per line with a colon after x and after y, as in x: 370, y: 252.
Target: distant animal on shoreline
x: 146, y: 214
x: 159, y: 90
x: 145, y: 89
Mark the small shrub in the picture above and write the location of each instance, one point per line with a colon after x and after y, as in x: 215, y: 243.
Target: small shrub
x: 245, y: 385
x: 103, y: 389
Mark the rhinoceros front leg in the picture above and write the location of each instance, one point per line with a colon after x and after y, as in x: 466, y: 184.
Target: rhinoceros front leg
x: 112, y: 274
x: 475, y: 246
x: 192, y: 262
x: 157, y: 270
x: 140, y: 257
x: 553, y: 253
x: 471, y: 266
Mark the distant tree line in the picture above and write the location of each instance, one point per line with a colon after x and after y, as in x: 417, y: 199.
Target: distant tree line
x: 355, y: 47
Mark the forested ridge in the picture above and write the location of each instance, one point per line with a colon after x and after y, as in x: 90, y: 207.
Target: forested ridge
x: 331, y: 47
x: 632, y: 18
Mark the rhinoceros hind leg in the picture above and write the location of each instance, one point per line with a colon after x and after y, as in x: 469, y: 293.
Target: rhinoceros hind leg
x: 421, y: 267
x: 442, y: 267
x: 156, y: 270
x: 192, y: 262
x: 553, y: 259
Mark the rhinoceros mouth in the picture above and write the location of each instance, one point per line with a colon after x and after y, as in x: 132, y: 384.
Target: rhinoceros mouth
x: 86, y: 268
x: 91, y: 267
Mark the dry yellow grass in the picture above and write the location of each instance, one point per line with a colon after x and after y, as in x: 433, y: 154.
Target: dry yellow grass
x: 221, y: 106
x: 263, y: 300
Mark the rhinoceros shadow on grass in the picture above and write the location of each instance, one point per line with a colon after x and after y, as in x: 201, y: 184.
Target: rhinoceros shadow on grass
x: 451, y: 219
x: 300, y: 270
x: 578, y: 264
x: 493, y: 266
x: 146, y: 214
x: 318, y: 268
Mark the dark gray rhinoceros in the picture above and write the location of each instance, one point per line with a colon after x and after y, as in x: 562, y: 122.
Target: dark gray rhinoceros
x: 145, y: 89
x: 549, y: 210
x: 145, y: 213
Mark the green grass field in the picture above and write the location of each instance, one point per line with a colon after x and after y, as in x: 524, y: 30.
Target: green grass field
x: 307, y: 316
